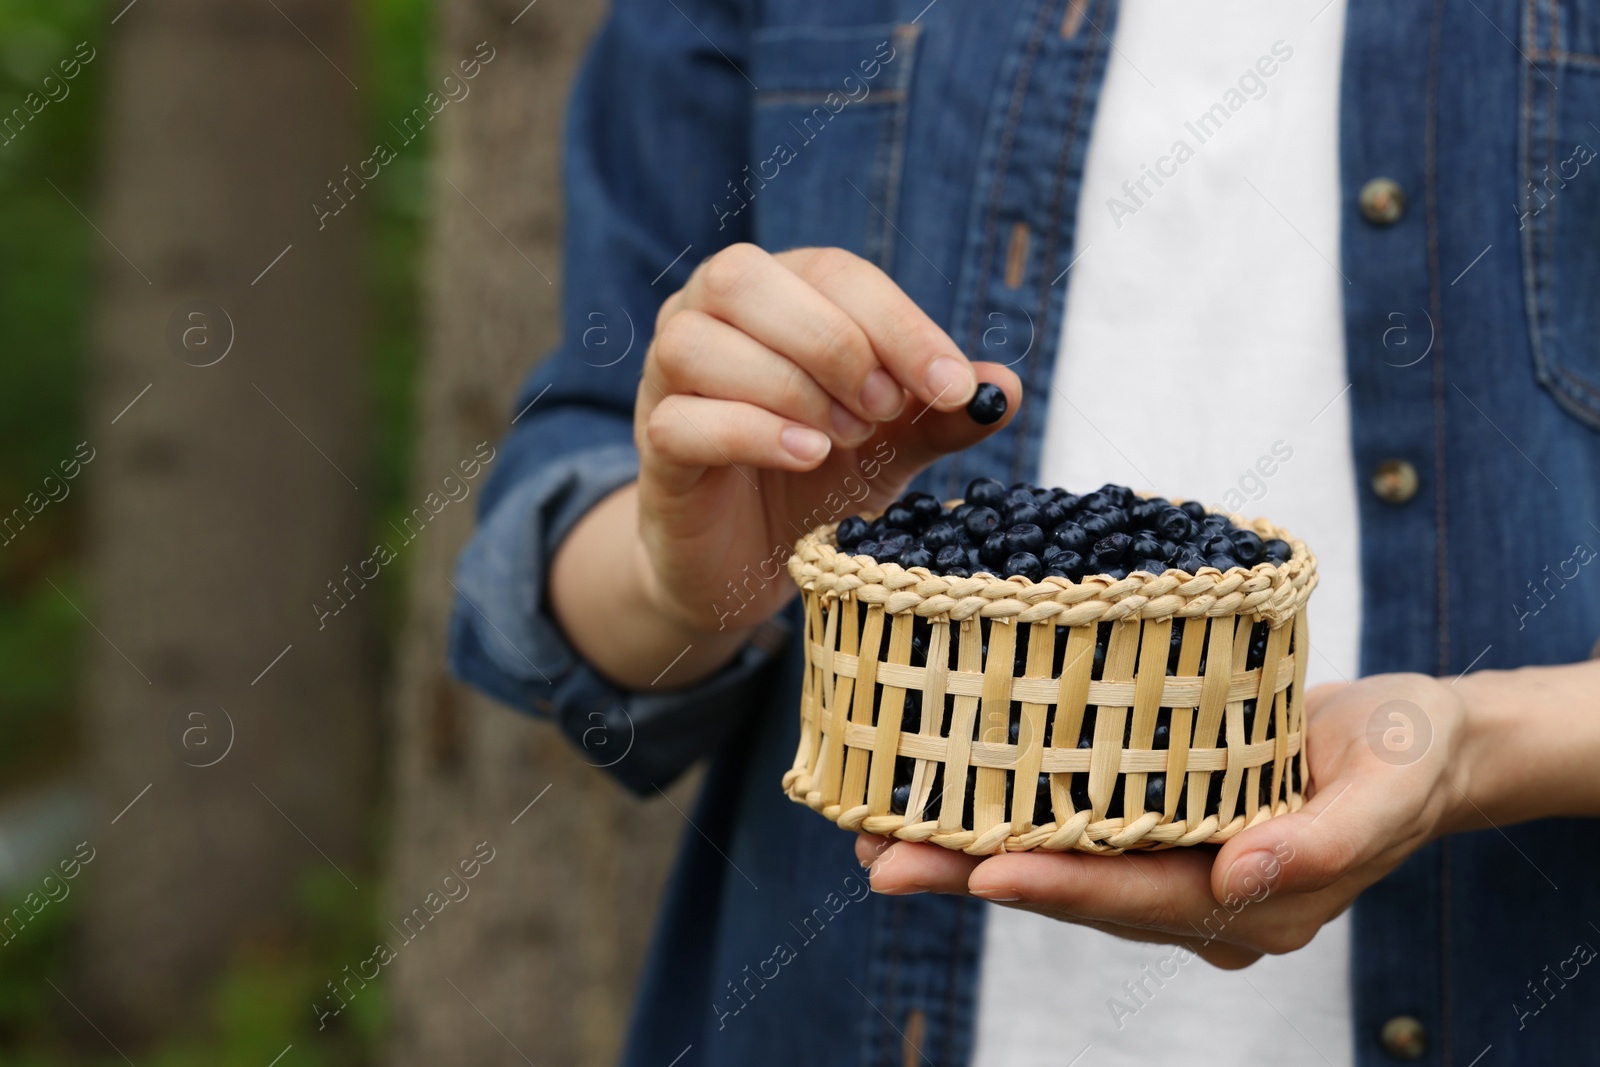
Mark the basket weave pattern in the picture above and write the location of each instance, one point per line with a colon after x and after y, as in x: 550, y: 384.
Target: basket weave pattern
x: 860, y: 617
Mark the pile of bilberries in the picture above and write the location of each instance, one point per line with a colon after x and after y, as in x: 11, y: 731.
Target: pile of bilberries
x: 1155, y: 788
x: 1036, y: 533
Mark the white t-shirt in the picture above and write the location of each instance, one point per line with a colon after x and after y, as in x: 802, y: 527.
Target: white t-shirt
x: 1211, y: 290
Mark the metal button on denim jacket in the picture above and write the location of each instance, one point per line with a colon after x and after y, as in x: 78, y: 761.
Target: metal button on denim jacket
x: 945, y: 142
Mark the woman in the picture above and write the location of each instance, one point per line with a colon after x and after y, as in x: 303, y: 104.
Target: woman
x: 1334, y: 266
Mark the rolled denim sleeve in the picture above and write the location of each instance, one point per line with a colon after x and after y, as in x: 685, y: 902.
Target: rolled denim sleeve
x: 657, y: 125
x: 504, y: 641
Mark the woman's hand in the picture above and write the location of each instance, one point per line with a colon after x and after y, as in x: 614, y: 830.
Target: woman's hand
x: 779, y: 392
x: 1386, y: 759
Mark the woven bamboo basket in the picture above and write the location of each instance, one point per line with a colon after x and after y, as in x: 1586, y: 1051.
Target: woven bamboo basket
x: 980, y: 686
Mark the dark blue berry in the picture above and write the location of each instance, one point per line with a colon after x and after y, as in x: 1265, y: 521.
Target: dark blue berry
x: 867, y: 548
x: 1222, y: 562
x: 1173, y: 524
x: 950, y: 556
x: 1116, y: 573
x: 900, y: 516
x: 1025, y: 537
x: 1113, y: 547
x: 1070, y: 563
x: 988, y: 404
x: 1095, y: 525
x: 1025, y: 564
x: 1276, y: 551
x: 926, y: 505
x: 851, y: 532
x: 994, y: 550
x: 916, y: 556
x: 900, y: 799
x: 1051, y: 514
x: 1020, y: 513
x: 956, y: 572
x: 1189, y: 561
x: 1151, y: 566
x: 1070, y: 536
x: 1246, y: 547
x: 985, y: 493
x: 941, y: 535
x: 1155, y: 792
x: 895, y: 542
x: 1194, y: 509
x: 1144, y: 546
x: 1092, y: 502
x: 981, y: 522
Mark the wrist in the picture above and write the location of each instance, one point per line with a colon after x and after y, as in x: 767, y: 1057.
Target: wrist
x: 669, y: 615
x: 1529, y: 749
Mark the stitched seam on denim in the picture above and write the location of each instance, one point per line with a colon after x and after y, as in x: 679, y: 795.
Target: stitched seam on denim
x: 898, y: 911
x: 1019, y: 94
x: 1444, y: 948
x: 1091, y: 58
x: 875, y: 238
x: 956, y: 947
x: 910, y: 35
x: 1436, y: 301
x: 1580, y: 398
x: 1549, y: 155
x: 1529, y: 230
x: 1435, y: 298
x: 774, y: 97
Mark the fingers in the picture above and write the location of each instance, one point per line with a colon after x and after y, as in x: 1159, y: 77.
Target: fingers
x: 1161, y: 898
x: 842, y: 320
x: 772, y: 362
x: 923, y: 435
x: 1348, y: 827
x: 908, y: 867
x: 754, y: 293
x: 1166, y: 893
x: 696, y: 353
x: 691, y: 432
x: 911, y: 347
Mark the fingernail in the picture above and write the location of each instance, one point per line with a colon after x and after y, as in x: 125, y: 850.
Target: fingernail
x: 951, y: 380
x: 999, y: 896
x: 804, y: 443
x: 901, y: 891
x: 882, y: 396
x: 846, y: 426
x: 1251, y: 873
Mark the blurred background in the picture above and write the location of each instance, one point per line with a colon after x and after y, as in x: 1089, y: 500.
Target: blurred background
x: 269, y: 273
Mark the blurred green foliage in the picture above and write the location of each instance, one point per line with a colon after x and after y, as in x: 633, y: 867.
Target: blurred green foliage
x: 44, y: 310
x: 46, y: 292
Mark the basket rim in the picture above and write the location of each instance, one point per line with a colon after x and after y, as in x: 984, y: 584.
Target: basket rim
x: 1274, y: 591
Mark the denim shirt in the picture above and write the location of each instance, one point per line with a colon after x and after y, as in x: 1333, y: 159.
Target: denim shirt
x: 945, y: 142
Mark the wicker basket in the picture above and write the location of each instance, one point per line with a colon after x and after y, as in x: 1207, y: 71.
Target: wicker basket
x: 1009, y: 666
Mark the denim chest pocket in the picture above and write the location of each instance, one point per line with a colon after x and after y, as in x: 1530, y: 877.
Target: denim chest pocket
x: 827, y: 137
x: 1559, y: 207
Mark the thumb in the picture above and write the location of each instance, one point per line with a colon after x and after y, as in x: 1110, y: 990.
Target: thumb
x: 1307, y: 850
x: 923, y: 434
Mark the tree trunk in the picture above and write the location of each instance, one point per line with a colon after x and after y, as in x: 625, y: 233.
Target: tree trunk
x: 539, y: 962
x: 223, y: 497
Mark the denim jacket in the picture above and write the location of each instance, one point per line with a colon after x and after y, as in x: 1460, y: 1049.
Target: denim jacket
x: 945, y: 142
